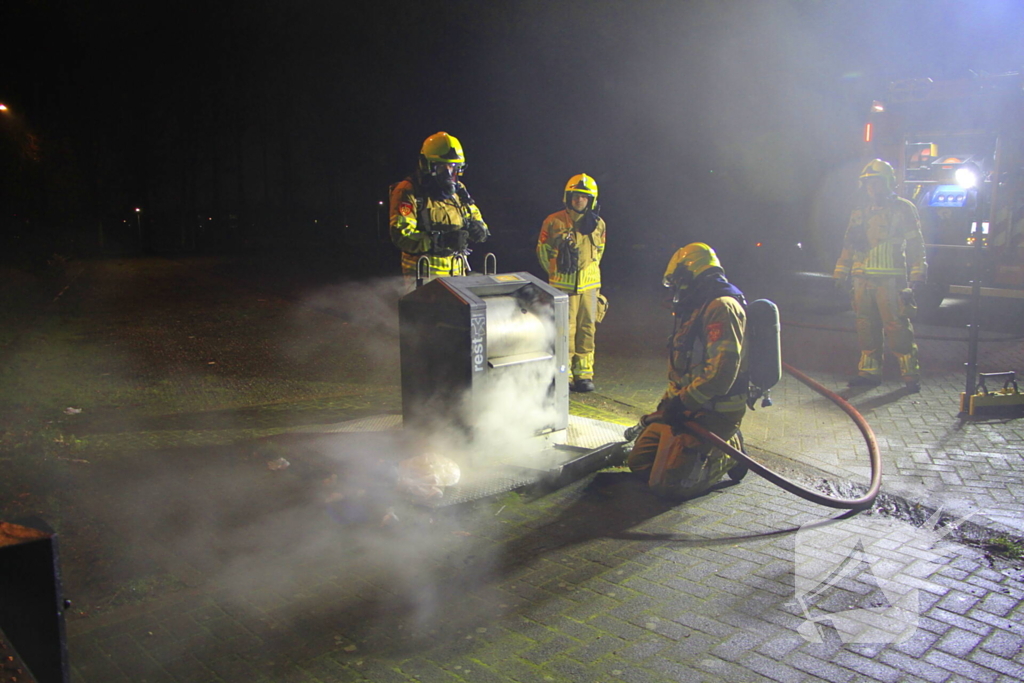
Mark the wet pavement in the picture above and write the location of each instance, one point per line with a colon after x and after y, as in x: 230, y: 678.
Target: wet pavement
x: 188, y: 559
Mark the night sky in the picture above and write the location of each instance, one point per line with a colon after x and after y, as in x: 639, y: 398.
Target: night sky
x: 725, y: 121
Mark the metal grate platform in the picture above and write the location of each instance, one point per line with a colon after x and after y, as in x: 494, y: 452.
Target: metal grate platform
x: 584, y: 446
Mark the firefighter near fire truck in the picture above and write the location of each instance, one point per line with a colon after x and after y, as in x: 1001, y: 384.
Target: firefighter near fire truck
x: 569, y: 248
x: 708, y: 381
x: 432, y: 214
x: 883, y: 242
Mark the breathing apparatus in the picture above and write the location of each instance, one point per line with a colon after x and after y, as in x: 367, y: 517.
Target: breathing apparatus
x: 441, y: 163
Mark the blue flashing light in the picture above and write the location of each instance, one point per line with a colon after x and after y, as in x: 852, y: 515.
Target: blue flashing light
x: 948, y: 196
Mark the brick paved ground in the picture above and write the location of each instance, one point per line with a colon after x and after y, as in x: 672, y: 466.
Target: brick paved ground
x: 189, y: 560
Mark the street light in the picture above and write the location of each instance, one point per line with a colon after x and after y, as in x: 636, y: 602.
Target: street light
x: 138, y: 219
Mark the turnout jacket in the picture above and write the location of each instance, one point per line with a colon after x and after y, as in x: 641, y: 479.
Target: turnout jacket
x: 706, y: 358
x: 558, y: 229
x: 414, y: 215
x: 884, y: 241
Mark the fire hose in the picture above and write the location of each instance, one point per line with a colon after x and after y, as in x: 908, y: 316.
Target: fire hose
x: 917, y: 335
x: 865, y: 429
x: 874, y: 455
x: 809, y: 494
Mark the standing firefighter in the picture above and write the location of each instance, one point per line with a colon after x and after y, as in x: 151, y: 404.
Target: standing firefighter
x: 707, y: 380
x: 569, y: 249
x: 432, y: 214
x: 882, y: 241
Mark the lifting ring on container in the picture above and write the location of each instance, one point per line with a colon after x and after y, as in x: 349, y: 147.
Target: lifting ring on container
x: 490, y: 258
x: 420, y: 275
x: 464, y: 260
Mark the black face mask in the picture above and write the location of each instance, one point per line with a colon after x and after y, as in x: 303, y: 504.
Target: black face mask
x: 708, y: 285
x: 443, y: 182
x: 444, y: 188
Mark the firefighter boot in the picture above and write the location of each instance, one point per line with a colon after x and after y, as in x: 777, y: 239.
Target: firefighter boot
x: 740, y: 469
x: 583, y: 385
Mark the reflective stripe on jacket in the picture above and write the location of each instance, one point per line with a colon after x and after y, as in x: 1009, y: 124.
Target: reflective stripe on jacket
x: 558, y: 228
x: 704, y: 366
x: 884, y: 241
x: 414, y: 240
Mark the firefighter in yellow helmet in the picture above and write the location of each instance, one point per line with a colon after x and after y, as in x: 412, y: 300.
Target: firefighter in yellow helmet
x: 432, y: 213
x: 883, y: 242
x: 707, y: 380
x: 570, y: 248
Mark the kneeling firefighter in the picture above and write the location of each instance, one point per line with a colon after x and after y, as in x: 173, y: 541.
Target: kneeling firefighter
x: 708, y: 381
x: 432, y: 214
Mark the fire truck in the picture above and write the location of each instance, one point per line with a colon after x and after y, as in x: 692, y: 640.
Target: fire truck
x: 958, y: 150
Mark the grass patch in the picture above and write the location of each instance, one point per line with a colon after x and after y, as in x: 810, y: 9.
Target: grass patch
x: 1006, y: 547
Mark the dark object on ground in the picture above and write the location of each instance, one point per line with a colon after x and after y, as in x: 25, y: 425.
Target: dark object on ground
x: 31, y: 602
x: 864, y: 381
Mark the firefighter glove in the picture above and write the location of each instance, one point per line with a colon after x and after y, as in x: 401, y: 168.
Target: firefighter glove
x: 588, y: 222
x: 568, y: 259
x: 675, y: 414
x: 448, y: 242
x: 478, y: 232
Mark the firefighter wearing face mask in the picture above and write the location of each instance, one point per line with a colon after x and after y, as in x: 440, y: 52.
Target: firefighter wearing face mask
x: 432, y: 214
x: 707, y: 380
x: 570, y: 248
x: 883, y: 241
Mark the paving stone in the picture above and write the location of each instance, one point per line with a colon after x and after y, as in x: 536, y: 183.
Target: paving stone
x: 545, y: 651
x: 1003, y: 644
x: 958, y: 602
x: 186, y: 669
x: 693, y: 644
x: 874, y: 670
x: 597, y: 648
x: 737, y: 646
x: 780, y: 646
x: 921, y: 641
x: 916, y: 667
x: 231, y: 668
x: 770, y: 668
x: 958, y: 666
x: 616, y: 627
x: 820, y: 669
x: 959, y: 643
x: 997, y: 664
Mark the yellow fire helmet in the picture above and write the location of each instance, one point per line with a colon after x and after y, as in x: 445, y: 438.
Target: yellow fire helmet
x: 441, y: 148
x: 688, y: 262
x: 583, y: 184
x: 879, y: 169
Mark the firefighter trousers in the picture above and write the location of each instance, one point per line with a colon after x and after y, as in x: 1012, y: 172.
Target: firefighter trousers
x: 878, y: 307
x: 582, y: 327
x: 684, y: 466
